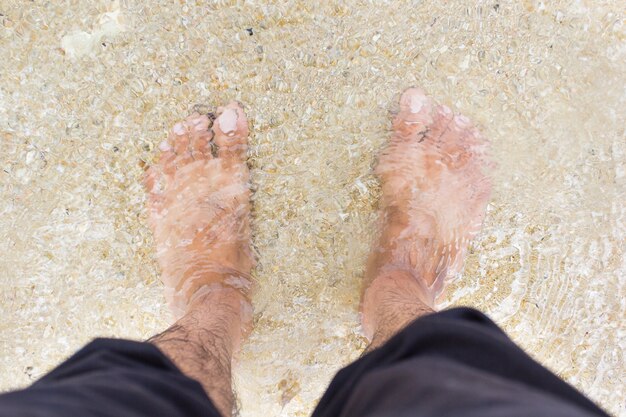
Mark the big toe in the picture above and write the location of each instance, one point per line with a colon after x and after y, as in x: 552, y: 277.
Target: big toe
x: 231, y: 132
x: 416, y: 113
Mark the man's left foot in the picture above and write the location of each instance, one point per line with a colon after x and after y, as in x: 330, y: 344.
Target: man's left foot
x: 199, y: 208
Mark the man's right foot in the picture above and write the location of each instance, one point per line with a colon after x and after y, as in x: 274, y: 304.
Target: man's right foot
x: 434, y: 195
x: 199, y: 211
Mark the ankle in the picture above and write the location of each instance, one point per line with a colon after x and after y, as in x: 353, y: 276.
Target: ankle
x: 392, y: 301
x: 223, y: 311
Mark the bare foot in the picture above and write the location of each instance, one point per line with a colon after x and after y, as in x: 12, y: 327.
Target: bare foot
x: 199, y: 208
x: 434, y: 195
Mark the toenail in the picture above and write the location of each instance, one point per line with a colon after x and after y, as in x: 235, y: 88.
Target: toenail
x: 202, y: 126
x: 462, y: 121
x: 164, y: 146
x: 228, y: 121
x: 179, y: 129
x: 200, y: 123
x: 445, y: 110
x: 416, y: 102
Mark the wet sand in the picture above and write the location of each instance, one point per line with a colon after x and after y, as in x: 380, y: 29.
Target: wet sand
x: 89, y: 90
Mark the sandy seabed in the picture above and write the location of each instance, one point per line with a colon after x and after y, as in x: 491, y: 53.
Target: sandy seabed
x: 89, y: 89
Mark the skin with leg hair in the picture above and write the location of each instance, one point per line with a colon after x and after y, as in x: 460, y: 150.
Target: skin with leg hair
x: 434, y: 195
x: 199, y: 208
x: 203, y: 341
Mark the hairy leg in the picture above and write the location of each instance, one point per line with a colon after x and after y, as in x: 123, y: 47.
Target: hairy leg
x: 201, y: 343
x: 199, y: 208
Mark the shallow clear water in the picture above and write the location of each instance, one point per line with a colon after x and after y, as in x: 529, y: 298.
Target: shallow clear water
x: 89, y: 89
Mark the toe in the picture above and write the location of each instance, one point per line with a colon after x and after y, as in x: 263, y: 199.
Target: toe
x: 462, y: 123
x: 197, y: 122
x: 167, y: 162
x: 442, y: 119
x: 231, y: 132
x: 151, y: 179
x: 183, y: 159
x: 463, y: 132
x: 153, y: 183
x: 201, y: 145
x: 200, y: 136
x: 179, y: 138
x: 415, y: 114
x: 460, y: 142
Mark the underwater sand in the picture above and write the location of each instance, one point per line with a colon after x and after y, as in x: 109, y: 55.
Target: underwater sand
x: 89, y: 89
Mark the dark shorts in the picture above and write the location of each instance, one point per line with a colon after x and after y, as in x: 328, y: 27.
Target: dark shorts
x: 453, y: 363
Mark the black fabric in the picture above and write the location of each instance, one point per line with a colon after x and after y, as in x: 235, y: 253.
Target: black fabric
x: 449, y: 364
x: 456, y: 363
x: 112, y: 378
